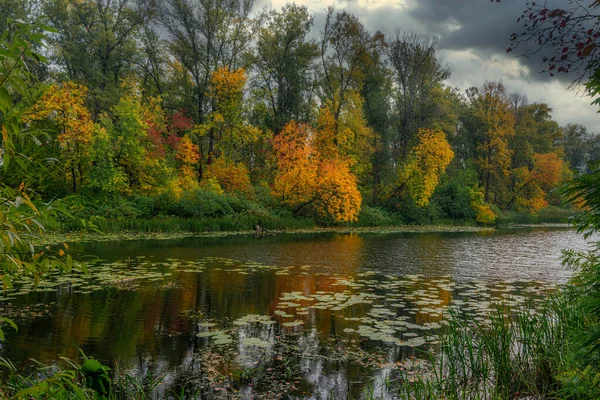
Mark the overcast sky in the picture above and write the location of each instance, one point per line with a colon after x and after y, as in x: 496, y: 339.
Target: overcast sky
x: 473, y: 38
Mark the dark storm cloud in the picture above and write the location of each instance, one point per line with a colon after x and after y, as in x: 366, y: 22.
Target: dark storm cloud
x: 480, y: 25
x: 484, y: 26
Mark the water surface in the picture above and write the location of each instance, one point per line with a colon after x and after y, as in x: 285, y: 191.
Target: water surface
x: 308, y: 314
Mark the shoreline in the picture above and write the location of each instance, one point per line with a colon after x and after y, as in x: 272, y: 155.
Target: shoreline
x: 81, y: 236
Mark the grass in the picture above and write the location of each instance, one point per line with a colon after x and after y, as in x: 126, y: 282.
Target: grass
x: 511, y: 355
x: 169, y: 224
x: 549, y: 215
x: 67, y: 380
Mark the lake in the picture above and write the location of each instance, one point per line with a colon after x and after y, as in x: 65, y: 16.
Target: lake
x: 311, y: 315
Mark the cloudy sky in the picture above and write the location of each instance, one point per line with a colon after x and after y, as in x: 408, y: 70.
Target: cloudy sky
x: 473, y: 38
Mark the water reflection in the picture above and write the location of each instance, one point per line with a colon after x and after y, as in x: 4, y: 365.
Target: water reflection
x: 339, y: 310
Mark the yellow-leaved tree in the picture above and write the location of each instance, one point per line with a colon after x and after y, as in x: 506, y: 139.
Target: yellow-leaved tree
x: 226, y: 132
x: 64, y: 105
x: 424, y: 166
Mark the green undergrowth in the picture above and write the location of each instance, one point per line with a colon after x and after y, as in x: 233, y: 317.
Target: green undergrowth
x: 549, y: 215
x: 203, y: 211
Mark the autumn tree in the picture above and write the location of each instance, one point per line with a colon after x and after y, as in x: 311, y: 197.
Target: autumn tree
x: 296, y: 165
x: 187, y: 157
x: 304, y: 178
x: 64, y: 105
x: 420, y: 174
x: 488, y: 128
x: 226, y: 133
x: 534, y: 183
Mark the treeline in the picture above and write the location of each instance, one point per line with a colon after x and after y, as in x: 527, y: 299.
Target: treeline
x: 193, y: 107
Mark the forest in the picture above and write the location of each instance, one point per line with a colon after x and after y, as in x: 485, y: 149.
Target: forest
x: 214, y: 109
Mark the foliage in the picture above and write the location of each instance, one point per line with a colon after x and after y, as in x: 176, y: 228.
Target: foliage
x: 426, y: 163
x: 231, y: 177
x: 307, y: 174
x: 65, y: 106
x: 146, y: 98
x: 584, y: 191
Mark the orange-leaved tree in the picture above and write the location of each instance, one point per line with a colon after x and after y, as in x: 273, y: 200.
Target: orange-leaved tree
x: 231, y: 177
x: 187, y: 156
x: 305, y: 177
x: 533, y: 184
x: 64, y: 105
x: 296, y: 165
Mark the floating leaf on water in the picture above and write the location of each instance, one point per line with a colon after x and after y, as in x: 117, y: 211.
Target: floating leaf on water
x: 256, y: 342
x: 293, y: 323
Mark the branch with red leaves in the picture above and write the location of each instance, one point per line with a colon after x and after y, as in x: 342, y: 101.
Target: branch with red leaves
x: 569, y: 37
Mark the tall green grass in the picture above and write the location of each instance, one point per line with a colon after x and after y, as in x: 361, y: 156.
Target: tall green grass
x: 513, y: 354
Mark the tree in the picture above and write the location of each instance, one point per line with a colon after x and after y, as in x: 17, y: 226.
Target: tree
x: 296, y: 165
x: 282, y: 63
x: 203, y: 36
x: 96, y: 41
x: 377, y: 110
x: 228, y: 134
x: 490, y: 128
x: 418, y: 72
x: 345, y: 45
x: 425, y: 164
x: 304, y: 177
x: 533, y: 184
x: 65, y: 106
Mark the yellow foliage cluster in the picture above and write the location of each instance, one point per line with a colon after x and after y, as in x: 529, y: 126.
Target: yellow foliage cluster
x: 425, y: 164
x: 64, y: 104
x: 338, y: 196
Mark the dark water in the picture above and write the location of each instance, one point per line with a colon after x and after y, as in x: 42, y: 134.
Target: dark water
x: 341, y: 310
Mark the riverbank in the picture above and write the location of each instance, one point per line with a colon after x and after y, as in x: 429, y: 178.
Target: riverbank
x: 98, y: 236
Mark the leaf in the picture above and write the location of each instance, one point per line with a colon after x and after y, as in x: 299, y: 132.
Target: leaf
x: 5, y: 100
x: 587, y: 50
x: 9, y: 322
